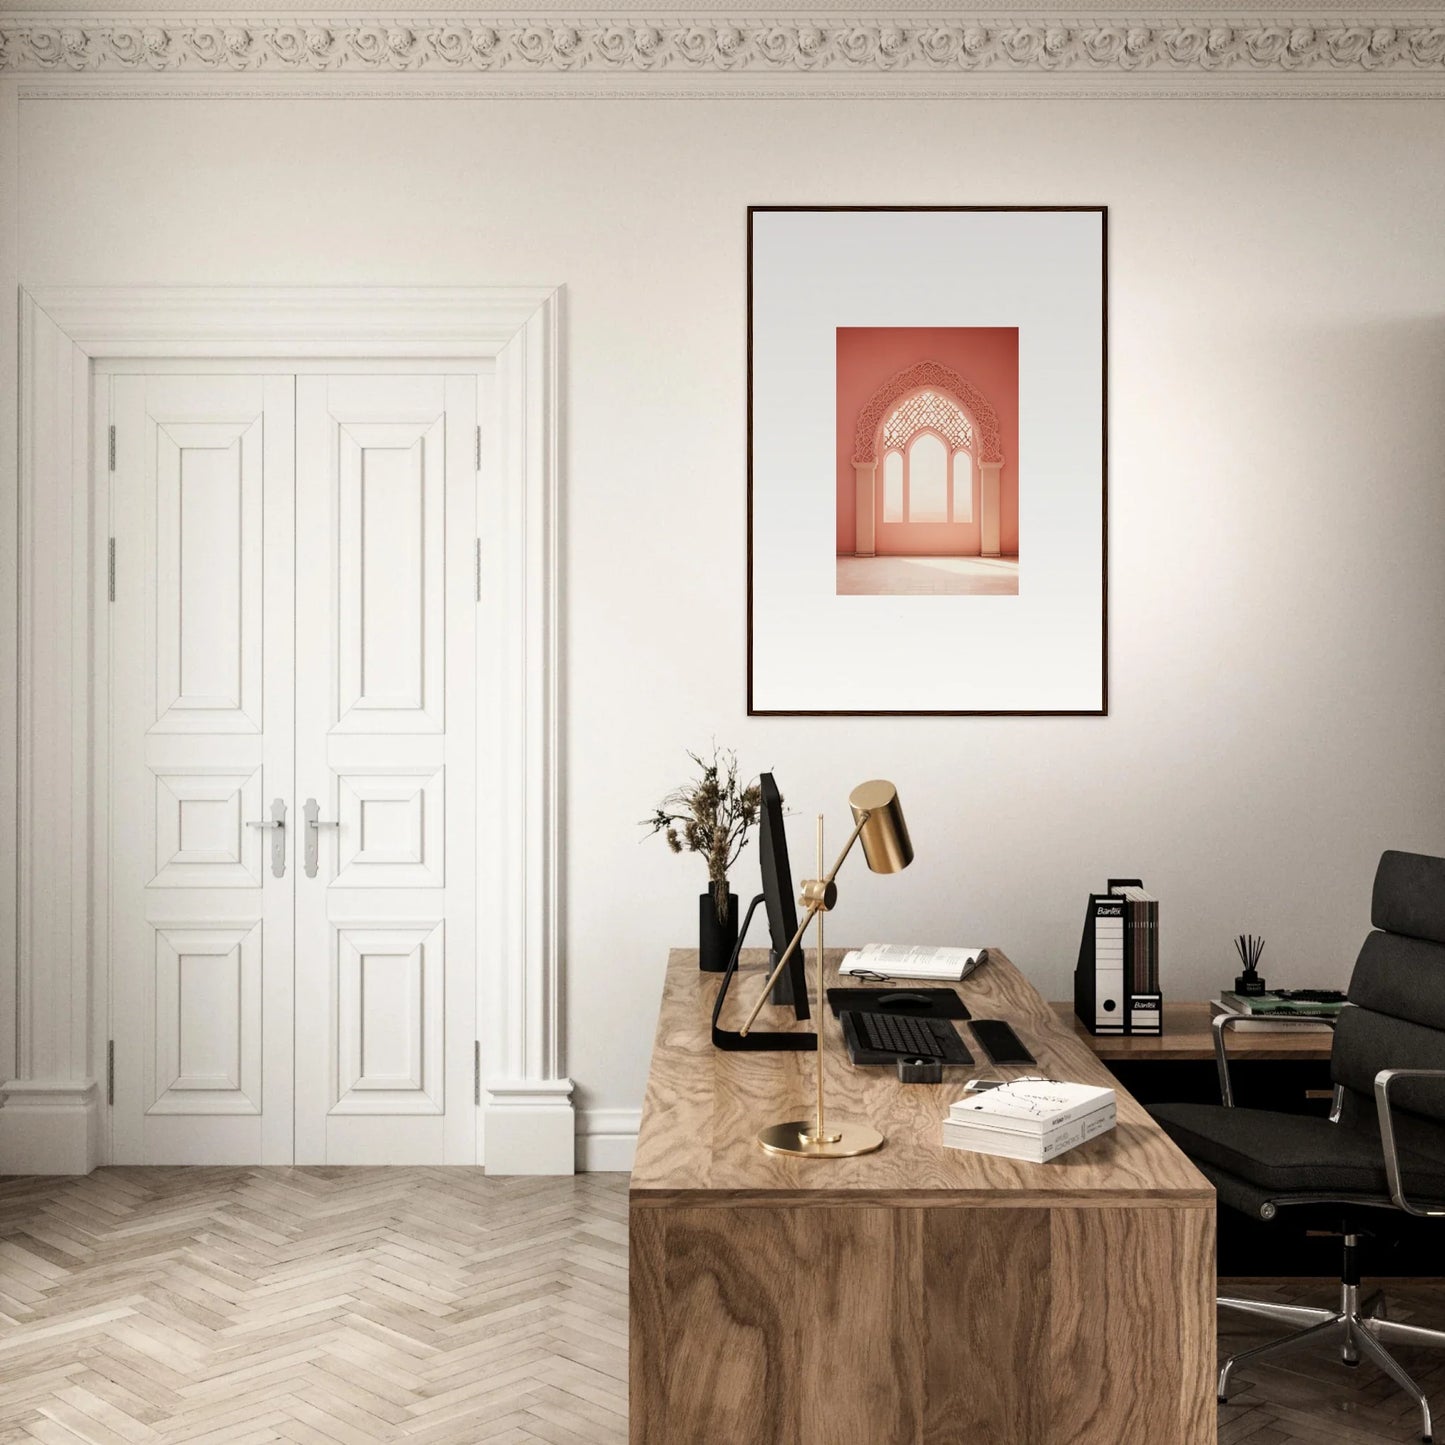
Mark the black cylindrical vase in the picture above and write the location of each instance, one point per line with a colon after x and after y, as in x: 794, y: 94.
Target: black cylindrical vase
x: 716, y: 938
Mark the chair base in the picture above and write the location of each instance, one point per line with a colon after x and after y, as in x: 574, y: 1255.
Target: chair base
x: 1360, y: 1327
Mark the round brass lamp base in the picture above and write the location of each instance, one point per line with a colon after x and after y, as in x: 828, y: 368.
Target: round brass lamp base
x: 844, y: 1141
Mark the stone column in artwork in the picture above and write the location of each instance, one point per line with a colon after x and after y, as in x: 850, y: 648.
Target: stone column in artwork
x: 989, y: 508
x: 865, y: 474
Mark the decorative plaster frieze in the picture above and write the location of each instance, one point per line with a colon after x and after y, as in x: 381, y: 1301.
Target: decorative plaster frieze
x: 712, y: 48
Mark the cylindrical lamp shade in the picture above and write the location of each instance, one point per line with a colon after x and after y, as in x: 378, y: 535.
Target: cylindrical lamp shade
x: 885, y: 840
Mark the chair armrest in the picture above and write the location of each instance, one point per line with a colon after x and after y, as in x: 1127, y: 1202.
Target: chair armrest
x: 1222, y: 1023
x: 1383, y: 1080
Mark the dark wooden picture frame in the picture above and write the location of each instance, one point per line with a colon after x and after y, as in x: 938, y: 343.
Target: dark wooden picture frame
x: 1102, y: 709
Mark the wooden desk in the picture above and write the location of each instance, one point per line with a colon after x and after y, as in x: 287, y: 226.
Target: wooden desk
x: 919, y: 1294
x: 1187, y: 1036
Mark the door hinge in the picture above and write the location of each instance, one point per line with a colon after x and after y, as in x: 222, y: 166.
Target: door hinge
x: 110, y: 569
x: 479, y: 448
x: 112, y: 448
x: 479, y: 569
x: 110, y: 1072
x: 477, y: 1071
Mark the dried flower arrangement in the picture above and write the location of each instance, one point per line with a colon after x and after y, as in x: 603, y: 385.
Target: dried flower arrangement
x: 712, y: 816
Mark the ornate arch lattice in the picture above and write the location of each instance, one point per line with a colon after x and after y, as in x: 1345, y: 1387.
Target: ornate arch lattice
x: 928, y: 375
x: 928, y: 411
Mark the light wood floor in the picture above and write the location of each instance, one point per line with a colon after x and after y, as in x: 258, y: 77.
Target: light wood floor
x: 346, y: 1306
x: 324, y: 1306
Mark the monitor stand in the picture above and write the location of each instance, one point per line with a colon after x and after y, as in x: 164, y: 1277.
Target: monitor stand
x: 757, y: 1040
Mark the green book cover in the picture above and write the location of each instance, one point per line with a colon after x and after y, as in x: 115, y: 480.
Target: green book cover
x: 1272, y: 1003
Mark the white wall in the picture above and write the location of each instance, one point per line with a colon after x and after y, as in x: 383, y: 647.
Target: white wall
x: 1277, y: 488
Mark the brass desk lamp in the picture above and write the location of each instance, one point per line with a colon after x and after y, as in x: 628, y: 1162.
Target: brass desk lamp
x: 878, y: 824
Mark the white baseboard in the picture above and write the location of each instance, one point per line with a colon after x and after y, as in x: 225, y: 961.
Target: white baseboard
x: 49, y: 1126
x: 530, y: 1127
x: 607, y: 1139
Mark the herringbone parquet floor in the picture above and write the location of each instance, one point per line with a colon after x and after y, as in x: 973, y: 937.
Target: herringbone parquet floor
x: 349, y: 1306
x: 321, y: 1306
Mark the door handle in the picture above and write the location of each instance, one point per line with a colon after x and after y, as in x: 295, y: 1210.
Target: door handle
x: 314, y: 824
x: 276, y: 822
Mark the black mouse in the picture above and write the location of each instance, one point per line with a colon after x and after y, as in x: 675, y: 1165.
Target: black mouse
x: 904, y: 1000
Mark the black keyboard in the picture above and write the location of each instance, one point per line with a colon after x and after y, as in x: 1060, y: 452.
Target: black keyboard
x: 883, y: 1038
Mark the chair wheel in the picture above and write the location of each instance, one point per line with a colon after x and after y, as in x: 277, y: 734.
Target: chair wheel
x: 1221, y: 1399
x: 1353, y: 1364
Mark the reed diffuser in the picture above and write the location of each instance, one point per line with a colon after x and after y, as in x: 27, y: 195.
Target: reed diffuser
x: 1249, y: 948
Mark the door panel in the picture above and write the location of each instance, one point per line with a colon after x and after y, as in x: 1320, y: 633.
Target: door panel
x: 389, y: 494
x: 389, y: 1020
x: 393, y: 828
x: 201, y: 929
x: 208, y: 1020
x: 385, y: 737
x: 208, y: 576
x: 201, y: 836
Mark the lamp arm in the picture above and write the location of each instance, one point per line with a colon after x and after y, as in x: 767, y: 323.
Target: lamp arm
x: 813, y: 910
x: 847, y: 849
x: 788, y: 952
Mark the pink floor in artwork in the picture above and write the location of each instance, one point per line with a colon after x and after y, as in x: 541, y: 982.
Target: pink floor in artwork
x: 928, y: 576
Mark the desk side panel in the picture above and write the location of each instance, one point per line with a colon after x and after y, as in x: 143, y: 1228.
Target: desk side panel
x: 775, y: 1326
x: 860, y: 1325
x: 1132, y: 1326
x: 985, y: 1297
x: 647, y: 1326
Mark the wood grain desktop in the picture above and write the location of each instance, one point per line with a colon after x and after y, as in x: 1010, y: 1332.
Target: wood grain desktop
x: 919, y: 1295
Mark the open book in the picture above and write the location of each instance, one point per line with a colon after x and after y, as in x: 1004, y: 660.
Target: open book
x: 902, y: 960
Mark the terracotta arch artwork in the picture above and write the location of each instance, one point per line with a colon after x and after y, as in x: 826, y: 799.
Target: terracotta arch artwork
x: 937, y: 517
x: 926, y: 430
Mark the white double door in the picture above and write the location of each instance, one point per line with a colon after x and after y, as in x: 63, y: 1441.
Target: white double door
x: 292, y: 767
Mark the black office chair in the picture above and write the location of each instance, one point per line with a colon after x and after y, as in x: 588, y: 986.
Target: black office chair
x: 1381, y: 1151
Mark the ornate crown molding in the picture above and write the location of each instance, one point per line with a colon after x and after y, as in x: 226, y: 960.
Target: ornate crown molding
x: 715, y: 49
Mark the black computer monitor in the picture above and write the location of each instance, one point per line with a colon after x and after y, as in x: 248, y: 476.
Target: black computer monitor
x: 777, y: 899
x: 791, y: 987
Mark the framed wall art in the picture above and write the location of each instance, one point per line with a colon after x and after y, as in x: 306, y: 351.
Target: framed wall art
x: 927, y: 458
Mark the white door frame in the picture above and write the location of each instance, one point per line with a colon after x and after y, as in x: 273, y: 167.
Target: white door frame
x: 50, y: 1122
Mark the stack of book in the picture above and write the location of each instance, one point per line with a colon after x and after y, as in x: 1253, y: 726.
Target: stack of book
x: 1032, y: 1119
x: 1262, y: 1011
